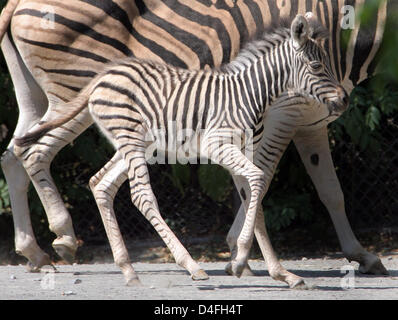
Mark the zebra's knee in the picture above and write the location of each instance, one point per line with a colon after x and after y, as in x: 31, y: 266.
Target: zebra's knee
x: 14, y: 172
x: 19, y: 151
x: 34, y: 158
x: 103, y: 195
x: 93, y: 182
x: 8, y: 160
x: 257, y: 181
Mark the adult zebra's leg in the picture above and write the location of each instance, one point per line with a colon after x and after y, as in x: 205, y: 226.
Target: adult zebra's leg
x: 105, y: 185
x: 37, y: 159
x: 32, y: 104
x: 143, y: 198
x: 313, y: 147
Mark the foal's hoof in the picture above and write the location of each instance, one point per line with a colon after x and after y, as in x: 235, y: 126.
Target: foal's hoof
x: 237, y: 268
x: 200, y: 275
x: 298, y: 284
x: 247, y: 271
x: 65, y: 253
x: 294, y: 281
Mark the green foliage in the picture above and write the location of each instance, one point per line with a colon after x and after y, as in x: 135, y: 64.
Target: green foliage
x: 377, y: 98
x: 215, y: 181
x: 345, y: 38
x: 282, y: 209
x: 387, y: 62
x: 289, y: 196
x: 4, y: 197
x: 366, y: 15
x: 362, y: 120
x: 2, y: 4
x: 372, y: 118
x: 91, y: 148
x: 180, y: 176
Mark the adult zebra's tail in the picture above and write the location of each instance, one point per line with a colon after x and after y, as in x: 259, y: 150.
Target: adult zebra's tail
x: 6, y: 16
x: 66, y: 112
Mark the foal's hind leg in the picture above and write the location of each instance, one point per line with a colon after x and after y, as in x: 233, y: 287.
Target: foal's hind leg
x: 104, y: 186
x: 143, y: 198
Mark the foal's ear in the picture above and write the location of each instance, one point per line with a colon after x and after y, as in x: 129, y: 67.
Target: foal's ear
x: 299, y: 31
x: 317, y: 31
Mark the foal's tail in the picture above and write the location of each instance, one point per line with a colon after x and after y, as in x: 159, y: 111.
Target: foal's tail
x: 66, y: 112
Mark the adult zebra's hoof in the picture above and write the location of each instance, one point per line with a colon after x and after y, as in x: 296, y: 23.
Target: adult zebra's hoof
x: 200, y: 275
x: 134, y: 282
x: 247, y: 271
x: 373, y: 265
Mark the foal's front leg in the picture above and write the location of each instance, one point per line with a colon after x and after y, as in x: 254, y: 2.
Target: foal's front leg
x: 275, y: 268
x: 230, y: 157
x: 280, y: 125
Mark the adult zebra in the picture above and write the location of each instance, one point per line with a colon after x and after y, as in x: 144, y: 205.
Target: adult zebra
x: 50, y: 41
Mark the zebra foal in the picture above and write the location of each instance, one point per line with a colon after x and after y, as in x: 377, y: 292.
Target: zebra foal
x: 132, y: 99
x: 44, y: 64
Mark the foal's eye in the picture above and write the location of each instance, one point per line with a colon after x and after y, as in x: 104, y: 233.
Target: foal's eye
x: 316, y: 66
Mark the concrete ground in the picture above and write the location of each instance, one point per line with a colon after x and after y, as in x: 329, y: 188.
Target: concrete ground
x: 327, y: 279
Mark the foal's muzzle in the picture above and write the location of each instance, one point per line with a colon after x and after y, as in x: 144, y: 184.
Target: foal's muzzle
x: 340, y: 102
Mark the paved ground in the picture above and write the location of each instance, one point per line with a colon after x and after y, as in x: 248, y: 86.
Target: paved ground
x: 325, y: 277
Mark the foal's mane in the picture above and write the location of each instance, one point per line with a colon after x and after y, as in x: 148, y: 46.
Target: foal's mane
x: 277, y: 32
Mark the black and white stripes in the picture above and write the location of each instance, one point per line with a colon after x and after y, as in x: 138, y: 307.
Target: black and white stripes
x: 135, y: 99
